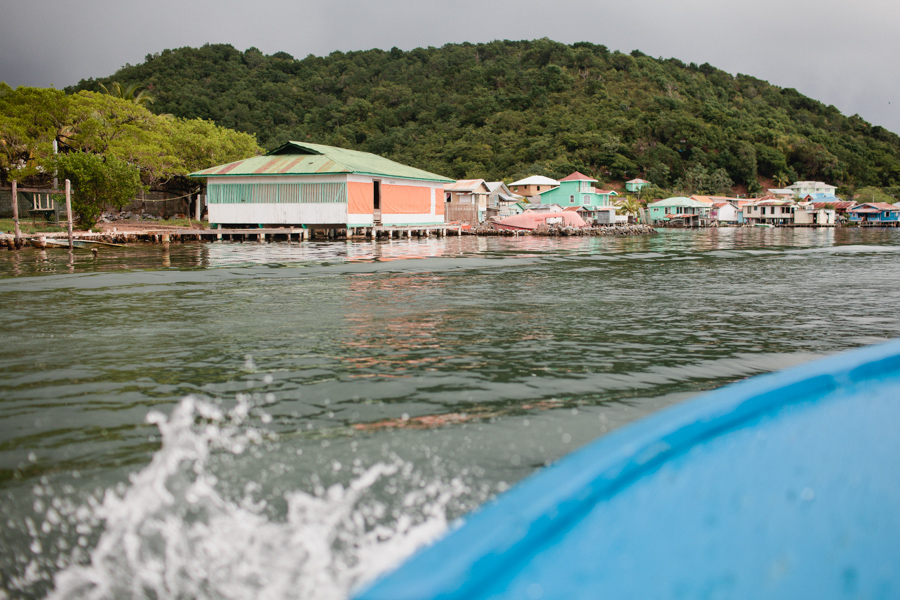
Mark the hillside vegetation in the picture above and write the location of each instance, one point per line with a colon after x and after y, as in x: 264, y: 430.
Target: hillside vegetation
x: 505, y: 110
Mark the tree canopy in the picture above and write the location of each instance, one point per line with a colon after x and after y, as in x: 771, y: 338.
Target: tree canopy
x: 111, y: 146
x: 509, y: 109
x: 99, y: 183
x: 160, y: 147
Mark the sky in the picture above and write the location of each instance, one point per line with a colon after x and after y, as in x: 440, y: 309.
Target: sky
x: 838, y: 52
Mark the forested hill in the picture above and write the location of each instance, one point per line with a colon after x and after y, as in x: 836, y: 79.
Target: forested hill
x: 505, y: 110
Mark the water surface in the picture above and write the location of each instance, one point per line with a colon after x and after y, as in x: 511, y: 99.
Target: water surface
x: 272, y: 420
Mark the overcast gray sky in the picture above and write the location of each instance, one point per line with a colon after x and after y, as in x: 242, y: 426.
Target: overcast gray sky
x: 836, y: 51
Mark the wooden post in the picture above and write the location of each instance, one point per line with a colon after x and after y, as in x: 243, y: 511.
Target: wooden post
x: 199, y: 210
x: 15, y: 209
x: 69, y: 212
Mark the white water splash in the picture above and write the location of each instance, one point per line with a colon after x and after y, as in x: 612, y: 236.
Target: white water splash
x: 172, y: 534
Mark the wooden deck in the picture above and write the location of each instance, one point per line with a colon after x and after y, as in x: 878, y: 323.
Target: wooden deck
x: 166, y: 235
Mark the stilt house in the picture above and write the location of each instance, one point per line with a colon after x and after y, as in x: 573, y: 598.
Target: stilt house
x: 322, y: 186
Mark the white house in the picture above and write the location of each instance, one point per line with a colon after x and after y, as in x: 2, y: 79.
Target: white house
x: 771, y: 212
x: 723, y: 213
x: 807, y: 213
x: 532, y: 186
x: 801, y: 189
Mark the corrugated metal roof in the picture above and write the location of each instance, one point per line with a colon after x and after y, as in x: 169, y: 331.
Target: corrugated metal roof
x: 465, y: 185
x: 300, y: 158
x: 838, y: 205
x: 878, y: 205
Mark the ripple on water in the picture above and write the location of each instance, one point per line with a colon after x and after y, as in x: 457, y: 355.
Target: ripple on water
x: 404, y: 383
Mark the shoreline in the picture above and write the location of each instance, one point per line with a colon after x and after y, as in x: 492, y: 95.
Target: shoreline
x: 163, y: 234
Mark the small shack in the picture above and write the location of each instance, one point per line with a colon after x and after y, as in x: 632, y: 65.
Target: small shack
x: 467, y: 200
x: 321, y: 186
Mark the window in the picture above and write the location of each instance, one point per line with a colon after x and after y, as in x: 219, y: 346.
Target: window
x: 572, y: 199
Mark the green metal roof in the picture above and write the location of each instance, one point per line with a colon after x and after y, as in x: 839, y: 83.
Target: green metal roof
x: 300, y: 158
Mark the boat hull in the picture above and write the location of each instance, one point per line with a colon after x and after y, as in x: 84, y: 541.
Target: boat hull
x: 782, y: 486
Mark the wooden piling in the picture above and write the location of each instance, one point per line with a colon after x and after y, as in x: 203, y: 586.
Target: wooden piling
x: 69, y: 214
x: 15, y: 209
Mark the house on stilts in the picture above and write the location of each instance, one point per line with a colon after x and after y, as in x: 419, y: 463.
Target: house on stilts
x: 322, y: 187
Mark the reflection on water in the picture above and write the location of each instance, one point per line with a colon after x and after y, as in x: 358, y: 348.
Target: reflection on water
x: 235, y: 254
x: 347, y: 398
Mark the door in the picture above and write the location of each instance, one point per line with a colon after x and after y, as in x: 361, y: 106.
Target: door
x: 376, y: 215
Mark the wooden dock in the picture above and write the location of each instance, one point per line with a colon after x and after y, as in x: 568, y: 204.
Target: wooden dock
x: 165, y: 235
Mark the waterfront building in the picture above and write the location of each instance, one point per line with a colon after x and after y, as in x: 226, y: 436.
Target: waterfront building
x: 770, y: 212
x: 467, y: 200
x: 532, y: 186
x: 724, y: 213
x: 577, y: 191
x: 501, y: 201
x: 677, y: 211
x: 839, y: 206
x: 322, y: 187
x: 808, y: 214
x: 875, y: 213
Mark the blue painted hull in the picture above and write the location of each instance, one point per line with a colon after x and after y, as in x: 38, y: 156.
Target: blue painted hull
x: 781, y: 486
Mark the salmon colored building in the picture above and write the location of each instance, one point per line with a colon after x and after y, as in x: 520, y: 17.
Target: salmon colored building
x: 322, y: 186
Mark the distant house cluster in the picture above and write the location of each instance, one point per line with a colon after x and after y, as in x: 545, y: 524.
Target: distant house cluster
x: 477, y: 201
x: 803, y: 204
x: 324, y: 187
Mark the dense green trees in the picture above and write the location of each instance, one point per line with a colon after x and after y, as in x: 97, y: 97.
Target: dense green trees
x: 110, y: 146
x: 507, y: 109
x: 99, y: 182
x: 132, y: 93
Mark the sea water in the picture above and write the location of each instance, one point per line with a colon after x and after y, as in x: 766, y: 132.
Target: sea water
x: 227, y: 420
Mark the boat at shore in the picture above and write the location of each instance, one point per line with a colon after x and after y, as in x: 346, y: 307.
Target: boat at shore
x: 785, y: 485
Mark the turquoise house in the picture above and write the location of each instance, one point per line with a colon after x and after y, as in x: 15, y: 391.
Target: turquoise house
x: 635, y: 185
x: 879, y: 213
x: 679, y: 208
x: 577, y: 190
